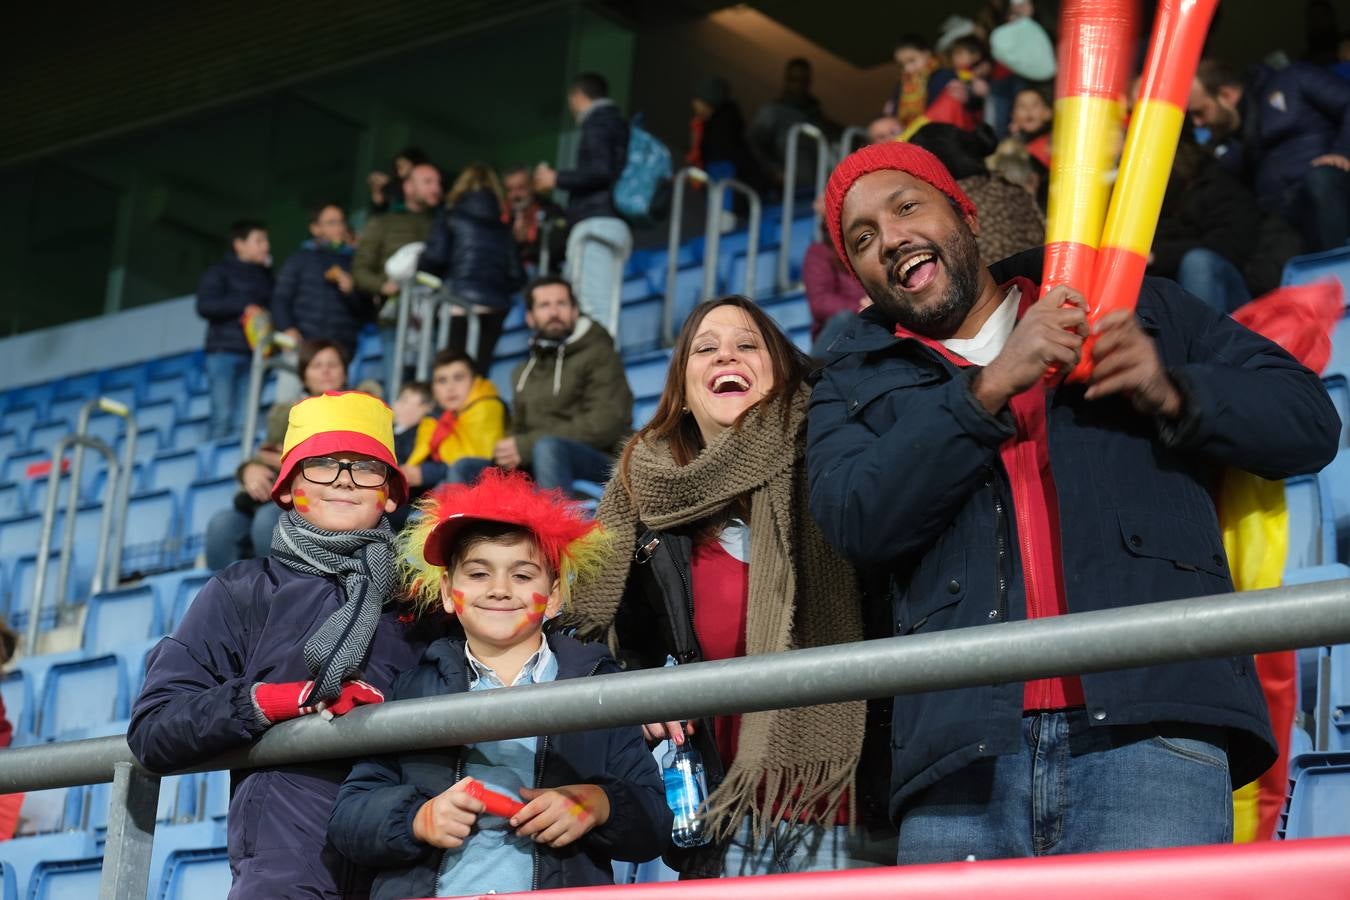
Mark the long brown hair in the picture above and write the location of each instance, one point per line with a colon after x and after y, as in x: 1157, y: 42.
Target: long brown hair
x: 476, y: 177
x: 672, y: 421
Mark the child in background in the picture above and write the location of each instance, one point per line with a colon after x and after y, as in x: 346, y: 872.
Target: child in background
x: 302, y: 631
x: 914, y: 55
x: 413, y: 422
x: 472, y: 420
x: 956, y: 94
x: 499, y: 557
x: 1033, y: 113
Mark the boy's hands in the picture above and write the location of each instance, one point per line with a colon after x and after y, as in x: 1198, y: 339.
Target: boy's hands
x: 560, y: 816
x: 445, y: 821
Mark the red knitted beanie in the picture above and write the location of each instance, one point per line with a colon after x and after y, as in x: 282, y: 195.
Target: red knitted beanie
x: 886, y: 156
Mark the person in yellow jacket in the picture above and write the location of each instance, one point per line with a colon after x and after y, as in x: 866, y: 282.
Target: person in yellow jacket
x: 473, y: 418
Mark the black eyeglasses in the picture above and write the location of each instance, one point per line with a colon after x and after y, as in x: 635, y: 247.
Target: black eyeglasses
x: 366, y: 473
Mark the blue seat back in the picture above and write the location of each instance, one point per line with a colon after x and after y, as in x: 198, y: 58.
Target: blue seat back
x: 1311, y: 534
x: 12, y: 501
x: 1339, y: 390
x: 73, y: 880
x: 50, y: 811
x: 16, y: 689
x: 172, y: 470
x: 151, y: 527
x: 20, y: 420
x: 80, y: 694
x: 24, y: 580
x: 221, y: 459
x: 17, y: 464
x: 1312, y: 267
x: 43, y: 436
x: 188, y: 434
x: 1319, y: 805
x: 188, y: 589
x: 204, y: 500
x: 196, y: 875
x: 117, y: 618
x: 160, y: 415
x: 23, y: 855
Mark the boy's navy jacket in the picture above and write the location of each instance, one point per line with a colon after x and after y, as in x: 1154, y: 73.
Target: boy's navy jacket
x: 305, y: 299
x: 906, y: 479
x: 372, y: 820
x: 249, y: 624
x: 225, y: 289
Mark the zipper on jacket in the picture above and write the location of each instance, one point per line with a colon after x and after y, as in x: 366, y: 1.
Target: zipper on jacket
x: 1001, y: 542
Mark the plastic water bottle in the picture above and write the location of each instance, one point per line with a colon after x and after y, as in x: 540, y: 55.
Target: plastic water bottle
x: 686, y: 792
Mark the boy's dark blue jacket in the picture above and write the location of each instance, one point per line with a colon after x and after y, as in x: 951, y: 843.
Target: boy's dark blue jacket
x: 250, y: 624
x: 306, y: 300
x: 372, y: 820
x: 906, y: 479
x: 225, y: 289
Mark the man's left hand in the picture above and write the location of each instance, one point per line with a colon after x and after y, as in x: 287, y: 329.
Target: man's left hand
x: 506, y: 454
x: 1125, y: 361
x: 1333, y: 159
x: 545, y: 178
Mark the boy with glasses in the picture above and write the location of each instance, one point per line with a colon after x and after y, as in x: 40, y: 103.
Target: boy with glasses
x: 303, y: 631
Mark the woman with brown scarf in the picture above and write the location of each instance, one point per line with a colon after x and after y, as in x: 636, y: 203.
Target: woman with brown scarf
x: 720, y: 558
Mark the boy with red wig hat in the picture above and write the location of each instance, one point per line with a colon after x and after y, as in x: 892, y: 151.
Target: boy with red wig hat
x: 500, y: 557
x: 304, y: 630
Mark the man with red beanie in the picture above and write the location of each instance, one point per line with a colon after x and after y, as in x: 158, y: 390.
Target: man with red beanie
x: 941, y: 456
x: 299, y: 632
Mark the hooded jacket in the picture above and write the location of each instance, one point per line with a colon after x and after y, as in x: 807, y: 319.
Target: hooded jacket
x: 305, y: 299
x: 575, y: 388
x: 908, y: 477
x: 249, y: 624
x: 380, y: 239
x: 472, y: 249
x: 602, y: 154
x: 479, y: 425
x: 225, y: 289
x: 372, y: 819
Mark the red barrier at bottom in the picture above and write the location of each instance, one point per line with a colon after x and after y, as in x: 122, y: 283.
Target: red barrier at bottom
x: 1309, y: 870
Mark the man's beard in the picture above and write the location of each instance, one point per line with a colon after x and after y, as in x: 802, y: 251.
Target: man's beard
x: 960, y: 256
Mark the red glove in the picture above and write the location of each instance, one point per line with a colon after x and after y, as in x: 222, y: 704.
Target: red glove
x: 279, y: 702
x: 354, y: 694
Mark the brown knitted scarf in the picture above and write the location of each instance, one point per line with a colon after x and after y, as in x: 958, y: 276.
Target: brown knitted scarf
x: 790, y: 763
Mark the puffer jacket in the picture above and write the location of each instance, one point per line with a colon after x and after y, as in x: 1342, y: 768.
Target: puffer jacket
x: 305, y: 299
x: 372, y: 819
x: 225, y: 289
x: 575, y: 388
x: 601, y: 157
x: 249, y: 624
x: 471, y: 248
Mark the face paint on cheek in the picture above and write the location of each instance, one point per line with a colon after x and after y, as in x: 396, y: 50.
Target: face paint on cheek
x: 533, y: 614
x: 301, y: 498
x: 457, y: 598
x: 381, y: 496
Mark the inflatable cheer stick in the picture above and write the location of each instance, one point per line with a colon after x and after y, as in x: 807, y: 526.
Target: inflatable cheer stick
x: 1096, y: 38
x: 495, y: 804
x: 1150, y: 147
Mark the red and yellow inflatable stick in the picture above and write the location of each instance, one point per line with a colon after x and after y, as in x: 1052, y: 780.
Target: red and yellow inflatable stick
x: 1146, y: 162
x: 1096, y: 37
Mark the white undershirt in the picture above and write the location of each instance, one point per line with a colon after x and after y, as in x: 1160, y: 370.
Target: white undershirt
x: 994, y: 333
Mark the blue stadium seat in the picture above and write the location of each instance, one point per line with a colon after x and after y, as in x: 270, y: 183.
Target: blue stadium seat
x: 790, y: 312
x: 168, y: 389
x: 19, y: 536
x: 204, y: 500
x: 66, y: 880
x: 640, y: 326
x: 50, y: 811
x: 647, y: 374
x: 1316, y: 266
x: 23, y: 855
x: 1337, y: 701
x: 642, y: 411
x: 12, y: 501
x: 17, y: 464
x: 35, y: 492
x: 188, y: 589
x: 83, y: 693
x: 35, y: 395
x: 1339, y: 390
x: 196, y: 875
x: 11, y: 442
x: 16, y: 689
x: 172, y: 470
x: 148, y: 445
x: 1312, y: 535
x: 178, y: 799
x: 185, y: 365
x: 221, y: 459
x: 1319, y: 799
x: 21, y: 419
x: 67, y: 410
x: 188, y: 434
x: 216, y: 796
x: 44, y: 435
x: 83, y: 385
x: 9, y: 889
x: 151, y: 532
x: 732, y: 274
x: 1333, y: 484
x: 160, y: 416
x: 23, y: 580
x: 196, y: 406
x: 133, y: 376
x: 515, y: 342
x: 115, y: 618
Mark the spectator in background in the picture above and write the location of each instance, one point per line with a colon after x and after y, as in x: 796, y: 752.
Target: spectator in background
x: 529, y: 213
x: 315, y: 298
x: 601, y: 156
x: 1287, y: 134
x: 471, y: 422
x: 239, y: 285
x: 961, y: 451
x: 1015, y: 165
x: 384, y: 235
x: 884, y: 128
x: 770, y: 126
x: 413, y: 420
x: 1207, y: 230
x: 1033, y: 115
x: 572, y: 404
x: 1010, y: 221
x: 245, y: 529
x: 386, y: 192
x: 470, y: 247
x: 914, y: 55
x: 1021, y: 46
x: 717, y: 140
x: 832, y: 293
x: 956, y: 94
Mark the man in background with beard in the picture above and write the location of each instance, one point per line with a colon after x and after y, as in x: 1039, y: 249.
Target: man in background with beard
x: 941, y: 457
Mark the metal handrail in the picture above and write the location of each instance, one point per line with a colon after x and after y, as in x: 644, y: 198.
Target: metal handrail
x: 263, y: 360
x: 849, y: 140
x: 440, y: 305
x: 682, y: 178
x: 116, y: 496
x: 823, y: 158
x: 617, y: 262
x: 712, y: 240
x: 1078, y: 643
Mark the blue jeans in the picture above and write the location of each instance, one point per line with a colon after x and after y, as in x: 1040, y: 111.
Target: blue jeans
x: 232, y: 535
x: 1320, y: 207
x: 557, y: 463
x: 792, y: 848
x: 227, y: 379
x: 1213, y: 279
x: 1073, y: 788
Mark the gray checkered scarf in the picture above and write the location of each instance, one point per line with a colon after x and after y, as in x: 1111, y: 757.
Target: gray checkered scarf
x: 364, y: 560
